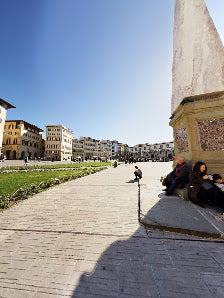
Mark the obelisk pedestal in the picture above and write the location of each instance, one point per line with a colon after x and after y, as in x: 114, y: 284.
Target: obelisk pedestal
x: 198, y: 127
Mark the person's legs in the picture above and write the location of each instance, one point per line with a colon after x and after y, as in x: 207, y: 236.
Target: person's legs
x: 198, y: 199
x: 171, y: 188
x: 220, y: 198
x: 167, y: 183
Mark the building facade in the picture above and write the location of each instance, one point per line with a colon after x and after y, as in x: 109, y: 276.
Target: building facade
x: 4, y: 106
x: 124, y: 150
x: 58, y: 144
x: 115, y: 149
x: 22, y: 139
x: 163, y: 150
x: 153, y: 151
x: 77, y: 149
x: 89, y: 148
x: 104, y: 149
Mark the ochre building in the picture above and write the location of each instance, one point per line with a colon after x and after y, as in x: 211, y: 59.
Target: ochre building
x: 21, y: 139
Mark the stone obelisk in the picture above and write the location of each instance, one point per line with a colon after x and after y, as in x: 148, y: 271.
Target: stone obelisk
x: 197, y: 85
x: 198, y: 53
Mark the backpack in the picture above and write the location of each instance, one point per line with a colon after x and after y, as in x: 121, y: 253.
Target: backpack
x: 140, y: 173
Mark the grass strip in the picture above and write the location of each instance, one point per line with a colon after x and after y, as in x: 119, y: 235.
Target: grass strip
x: 57, y: 166
x: 19, y: 186
x: 10, y: 182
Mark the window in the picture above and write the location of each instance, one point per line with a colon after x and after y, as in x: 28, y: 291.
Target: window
x: 7, y: 141
x: 15, y: 141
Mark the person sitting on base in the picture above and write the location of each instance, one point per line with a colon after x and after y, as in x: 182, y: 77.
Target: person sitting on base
x: 219, y: 189
x: 178, y: 178
x: 218, y: 181
x: 201, y: 189
x: 138, y: 173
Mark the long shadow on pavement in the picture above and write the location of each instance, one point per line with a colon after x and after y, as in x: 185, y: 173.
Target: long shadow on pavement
x: 150, y: 267
x: 143, y: 267
x: 123, y: 271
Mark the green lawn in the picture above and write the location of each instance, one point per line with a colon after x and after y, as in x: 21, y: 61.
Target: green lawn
x: 10, y: 182
x: 58, y: 166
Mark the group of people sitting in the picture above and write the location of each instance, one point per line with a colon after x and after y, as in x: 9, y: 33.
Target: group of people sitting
x: 202, y: 188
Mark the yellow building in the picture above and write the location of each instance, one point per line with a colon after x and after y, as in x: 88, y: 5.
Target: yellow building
x: 21, y: 139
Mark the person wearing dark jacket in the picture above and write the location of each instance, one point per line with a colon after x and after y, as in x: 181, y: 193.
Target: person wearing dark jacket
x: 138, y: 173
x: 219, y: 189
x: 197, y: 177
x: 178, y: 178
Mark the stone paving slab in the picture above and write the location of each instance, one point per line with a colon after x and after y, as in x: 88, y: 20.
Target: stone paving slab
x: 82, y: 239
x: 172, y: 213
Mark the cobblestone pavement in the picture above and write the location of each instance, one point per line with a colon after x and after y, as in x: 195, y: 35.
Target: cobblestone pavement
x: 82, y: 239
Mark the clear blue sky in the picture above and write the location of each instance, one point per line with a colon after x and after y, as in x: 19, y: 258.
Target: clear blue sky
x: 100, y: 67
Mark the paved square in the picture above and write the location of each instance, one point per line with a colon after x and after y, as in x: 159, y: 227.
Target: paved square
x: 83, y: 239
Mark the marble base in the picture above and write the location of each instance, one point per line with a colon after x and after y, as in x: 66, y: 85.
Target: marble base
x: 198, y: 127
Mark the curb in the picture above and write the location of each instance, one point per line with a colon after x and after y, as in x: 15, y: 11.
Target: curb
x: 183, y: 231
